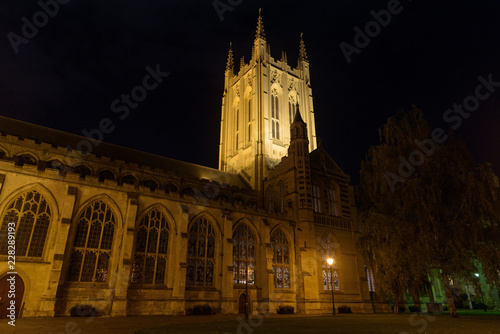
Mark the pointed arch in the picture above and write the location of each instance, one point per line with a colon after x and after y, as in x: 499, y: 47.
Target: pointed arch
x: 3, y: 153
x: 129, y: 179
x: 90, y: 257
x: 30, y: 214
x: 82, y: 169
x: 201, y: 250
x: 281, y: 195
x: 106, y: 174
x: 26, y: 158
x: 330, y: 248
x: 244, y: 252
x: 275, y: 112
x: 170, y: 187
x: 151, y: 183
x: 56, y: 164
x: 293, y: 105
x: 153, y: 228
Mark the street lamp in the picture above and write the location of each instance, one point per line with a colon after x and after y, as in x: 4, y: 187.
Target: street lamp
x: 330, y: 262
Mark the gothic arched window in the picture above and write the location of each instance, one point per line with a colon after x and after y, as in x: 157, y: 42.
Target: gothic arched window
x: 332, y: 202
x: 243, y: 255
x: 316, y: 198
x: 106, y: 174
x: 151, y: 184
x: 270, y: 198
x: 92, y: 244
x: 151, y: 246
x: 201, y: 253
x: 275, y: 115
x: 328, y: 252
x: 281, y: 189
x: 29, y: 215
x: 129, y: 179
x: 292, y: 108
x: 82, y: 170
x: 25, y: 159
x: 237, y: 126
x: 249, y: 125
x: 281, y: 259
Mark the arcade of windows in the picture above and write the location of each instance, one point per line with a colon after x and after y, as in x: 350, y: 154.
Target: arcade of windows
x: 93, y: 241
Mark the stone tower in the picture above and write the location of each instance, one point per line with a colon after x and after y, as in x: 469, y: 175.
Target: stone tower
x: 258, y: 106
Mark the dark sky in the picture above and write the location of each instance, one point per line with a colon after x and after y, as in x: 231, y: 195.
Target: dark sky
x: 91, y: 52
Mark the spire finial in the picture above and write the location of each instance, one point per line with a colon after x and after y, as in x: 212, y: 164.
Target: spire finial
x: 260, y: 27
x: 302, y: 50
x: 230, y: 60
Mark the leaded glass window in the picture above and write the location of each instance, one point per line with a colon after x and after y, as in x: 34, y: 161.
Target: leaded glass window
x: 243, y: 255
x: 316, y: 198
x: 92, y: 244
x: 328, y: 252
x: 292, y: 109
x: 281, y: 259
x: 281, y: 189
x: 332, y: 202
x: 151, y: 246
x: 31, y: 215
x: 201, y: 253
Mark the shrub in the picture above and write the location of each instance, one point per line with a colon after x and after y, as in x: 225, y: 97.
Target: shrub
x: 83, y: 311
x: 415, y: 309
x: 285, y: 309
x: 199, y: 310
x: 345, y: 309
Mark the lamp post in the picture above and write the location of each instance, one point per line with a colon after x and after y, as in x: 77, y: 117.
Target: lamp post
x: 330, y: 262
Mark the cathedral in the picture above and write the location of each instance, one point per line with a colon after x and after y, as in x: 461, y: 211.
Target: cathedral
x: 131, y: 233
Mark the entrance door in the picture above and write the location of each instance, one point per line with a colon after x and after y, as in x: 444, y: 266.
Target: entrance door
x: 4, y: 295
x: 241, y: 303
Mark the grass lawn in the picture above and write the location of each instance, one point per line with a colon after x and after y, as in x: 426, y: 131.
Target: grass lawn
x: 470, y: 323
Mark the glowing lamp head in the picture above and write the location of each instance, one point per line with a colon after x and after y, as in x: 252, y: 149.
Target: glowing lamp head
x: 330, y: 261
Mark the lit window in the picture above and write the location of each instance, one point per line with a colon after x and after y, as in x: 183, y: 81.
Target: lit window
x: 326, y: 253
x: 92, y: 244
x: 31, y: 215
x: 201, y: 253
x: 243, y: 255
x: 150, y: 259
x: 275, y: 115
x: 281, y: 260
x: 237, y: 126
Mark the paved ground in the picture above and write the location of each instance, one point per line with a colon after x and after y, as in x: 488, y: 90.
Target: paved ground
x: 342, y: 323
x: 99, y: 325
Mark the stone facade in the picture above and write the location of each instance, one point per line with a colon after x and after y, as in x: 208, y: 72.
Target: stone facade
x: 131, y: 233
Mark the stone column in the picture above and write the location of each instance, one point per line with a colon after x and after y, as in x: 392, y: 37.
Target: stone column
x: 119, y: 306
x: 47, y: 305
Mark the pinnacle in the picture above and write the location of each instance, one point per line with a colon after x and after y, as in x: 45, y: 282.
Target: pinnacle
x: 302, y: 50
x: 230, y: 60
x: 260, y: 27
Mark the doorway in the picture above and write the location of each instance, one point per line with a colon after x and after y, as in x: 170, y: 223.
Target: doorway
x: 4, y: 295
x: 241, y: 303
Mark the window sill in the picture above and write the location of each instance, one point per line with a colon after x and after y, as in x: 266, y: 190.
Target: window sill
x: 5, y: 258
x: 200, y: 288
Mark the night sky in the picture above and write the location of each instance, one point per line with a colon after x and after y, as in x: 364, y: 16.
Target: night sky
x: 430, y: 54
